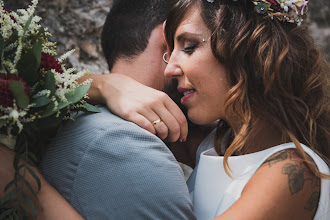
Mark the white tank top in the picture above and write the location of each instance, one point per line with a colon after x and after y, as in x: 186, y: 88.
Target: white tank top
x: 213, y: 192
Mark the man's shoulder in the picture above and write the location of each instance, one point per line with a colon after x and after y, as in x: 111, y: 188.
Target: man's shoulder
x: 101, y: 119
x: 93, y: 125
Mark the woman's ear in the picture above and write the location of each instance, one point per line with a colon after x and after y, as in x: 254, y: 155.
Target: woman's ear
x: 167, y: 47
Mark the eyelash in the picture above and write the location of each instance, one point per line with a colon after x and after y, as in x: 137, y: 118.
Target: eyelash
x: 190, y: 49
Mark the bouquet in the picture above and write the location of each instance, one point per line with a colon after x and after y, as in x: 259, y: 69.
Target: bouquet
x: 37, y: 93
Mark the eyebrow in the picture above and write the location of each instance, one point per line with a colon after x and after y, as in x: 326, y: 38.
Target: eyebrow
x: 179, y: 37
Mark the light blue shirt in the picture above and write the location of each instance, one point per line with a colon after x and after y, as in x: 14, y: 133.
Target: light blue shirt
x: 108, y: 168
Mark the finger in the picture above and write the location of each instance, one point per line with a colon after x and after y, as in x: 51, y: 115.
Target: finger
x: 173, y: 127
x: 180, y: 118
x: 161, y: 130
x: 152, y: 116
x: 143, y: 122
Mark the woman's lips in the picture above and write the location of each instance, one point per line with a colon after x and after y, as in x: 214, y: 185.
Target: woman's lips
x: 187, y: 94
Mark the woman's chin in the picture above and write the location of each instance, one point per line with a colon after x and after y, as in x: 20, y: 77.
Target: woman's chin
x: 199, y: 119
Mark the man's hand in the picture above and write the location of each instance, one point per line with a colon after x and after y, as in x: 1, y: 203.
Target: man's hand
x: 140, y: 104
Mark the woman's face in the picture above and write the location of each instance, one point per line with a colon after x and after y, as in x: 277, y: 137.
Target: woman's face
x: 201, y: 78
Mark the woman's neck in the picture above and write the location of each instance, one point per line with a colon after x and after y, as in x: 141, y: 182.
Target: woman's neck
x: 263, y: 135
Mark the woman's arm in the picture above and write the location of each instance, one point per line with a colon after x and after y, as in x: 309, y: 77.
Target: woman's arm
x: 282, y: 188
x: 138, y: 103
x: 51, y: 204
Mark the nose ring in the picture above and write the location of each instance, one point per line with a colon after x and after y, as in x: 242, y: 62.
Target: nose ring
x: 164, y: 57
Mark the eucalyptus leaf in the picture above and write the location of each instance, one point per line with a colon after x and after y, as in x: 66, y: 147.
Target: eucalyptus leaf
x: 30, y: 203
x: 33, y: 157
x: 27, y: 24
x: 41, y: 101
x: 12, y: 183
x: 91, y: 108
x: 28, y: 185
x: 62, y: 105
x: 11, y: 194
x: 36, y: 178
x: 15, y: 216
x: 49, y: 110
x: 23, y: 209
x: 6, y: 214
x: 29, y: 64
x: 50, y: 82
x: 17, y: 89
x: 77, y: 94
x: 12, y: 39
x: 2, y: 122
x: 2, y: 45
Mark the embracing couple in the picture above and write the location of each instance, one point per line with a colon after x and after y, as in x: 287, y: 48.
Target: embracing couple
x: 246, y: 65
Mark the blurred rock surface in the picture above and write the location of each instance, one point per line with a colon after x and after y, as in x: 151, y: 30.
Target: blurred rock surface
x: 78, y: 23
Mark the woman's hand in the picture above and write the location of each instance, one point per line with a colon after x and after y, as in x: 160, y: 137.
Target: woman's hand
x: 140, y: 104
x: 50, y: 204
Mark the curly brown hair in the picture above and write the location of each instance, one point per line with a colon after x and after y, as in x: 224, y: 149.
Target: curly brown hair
x: 275, y: 71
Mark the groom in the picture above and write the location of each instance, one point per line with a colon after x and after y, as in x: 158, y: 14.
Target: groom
x: 109, y: 168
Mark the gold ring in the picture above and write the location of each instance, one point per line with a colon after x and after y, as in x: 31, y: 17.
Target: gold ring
x: 156, y: 122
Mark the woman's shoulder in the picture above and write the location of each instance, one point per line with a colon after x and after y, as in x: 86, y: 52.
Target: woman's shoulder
x: 285, y: 181
x: 284, y: 187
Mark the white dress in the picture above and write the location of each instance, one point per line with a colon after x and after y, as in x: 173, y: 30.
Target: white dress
x: 213, y: 192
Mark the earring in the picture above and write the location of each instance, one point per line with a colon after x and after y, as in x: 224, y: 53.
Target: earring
x: 164, y: 57
x: 204, y: 40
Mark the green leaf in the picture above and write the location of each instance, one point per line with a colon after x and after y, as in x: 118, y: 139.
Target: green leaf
x: 30, y: 203
x: 33, y: 157
x: 50, y: 82
x: 7, y: 214
x: 36, y: 178
x: 28, y: 185
x: 41, y: 101
x: 11, y: 194
x: 91, y: 108
x: 27, y: 24
x: 49, y: 110
x: 12, y: 39
x: 23, y: 209
x: 2, y: 45
x: 77, y: 94
x: 17, y: 89
x: 2, y: 122
x: 62, y: 105
x: 12, y: 183
x: 29, y: 64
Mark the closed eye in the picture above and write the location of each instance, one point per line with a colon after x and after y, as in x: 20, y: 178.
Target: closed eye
x: 190, y: 49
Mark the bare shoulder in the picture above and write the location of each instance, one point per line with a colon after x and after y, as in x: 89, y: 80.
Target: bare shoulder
x: 292, y: 166
x: 282, y: 188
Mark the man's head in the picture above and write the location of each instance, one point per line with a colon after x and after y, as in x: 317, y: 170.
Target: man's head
x: 132, y: 35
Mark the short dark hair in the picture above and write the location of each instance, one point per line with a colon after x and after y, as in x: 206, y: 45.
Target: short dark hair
x: 128, y: 26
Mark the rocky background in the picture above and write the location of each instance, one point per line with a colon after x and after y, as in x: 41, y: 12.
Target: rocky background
x: 78, y: 23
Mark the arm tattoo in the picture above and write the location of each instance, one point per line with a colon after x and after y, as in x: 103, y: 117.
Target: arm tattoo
x: 298, y: 173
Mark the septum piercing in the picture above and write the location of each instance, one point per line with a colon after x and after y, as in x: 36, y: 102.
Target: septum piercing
x: 164, y: 57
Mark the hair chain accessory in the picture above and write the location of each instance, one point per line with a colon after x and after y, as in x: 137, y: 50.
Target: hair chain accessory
x: 292, y: 11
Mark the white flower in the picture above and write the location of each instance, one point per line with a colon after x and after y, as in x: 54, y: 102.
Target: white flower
x: 14, y: 115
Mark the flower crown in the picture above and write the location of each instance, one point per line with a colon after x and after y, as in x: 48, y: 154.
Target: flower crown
x: 292, y: 11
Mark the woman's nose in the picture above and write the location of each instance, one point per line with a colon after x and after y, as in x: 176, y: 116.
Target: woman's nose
x: 172, y: 68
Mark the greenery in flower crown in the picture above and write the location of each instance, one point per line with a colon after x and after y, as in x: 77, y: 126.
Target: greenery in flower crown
x: 37, y: 93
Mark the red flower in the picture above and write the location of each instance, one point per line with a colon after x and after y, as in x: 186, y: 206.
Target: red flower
x: 6, y: 98
x: 8, y: 11
x: 48, y: 62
